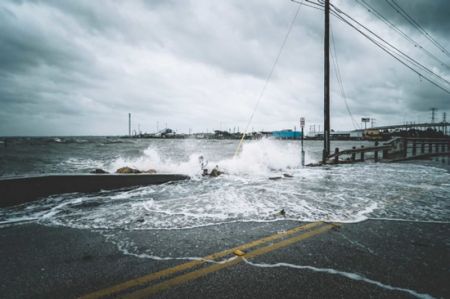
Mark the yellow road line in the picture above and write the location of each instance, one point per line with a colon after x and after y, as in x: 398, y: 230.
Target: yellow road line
x: 144, y: 293
x: 157, y: 275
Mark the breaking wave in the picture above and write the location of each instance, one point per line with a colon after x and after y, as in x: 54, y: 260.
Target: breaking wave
x: 256, y: 158
x: 246, y: 192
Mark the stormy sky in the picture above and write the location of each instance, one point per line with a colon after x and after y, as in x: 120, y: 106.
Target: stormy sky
x: 79, y: 67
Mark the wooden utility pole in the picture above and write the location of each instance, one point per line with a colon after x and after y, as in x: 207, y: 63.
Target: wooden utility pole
x: 302, y: 125
x: 326, y: 108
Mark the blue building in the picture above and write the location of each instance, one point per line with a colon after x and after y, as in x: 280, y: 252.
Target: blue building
x: 286, y: 134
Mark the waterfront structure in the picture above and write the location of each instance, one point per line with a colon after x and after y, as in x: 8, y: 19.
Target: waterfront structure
x: 286, y: 134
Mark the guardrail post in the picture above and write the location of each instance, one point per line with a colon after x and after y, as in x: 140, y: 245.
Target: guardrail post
x: 336, y: 157
x: 422, y: 149
x: 437, y: 147
x: 362, y: 153
x: 414, y: 150
x: 430, y: 147
x: 376, y: 152
x: 405, y: 148
x: 353, y: 154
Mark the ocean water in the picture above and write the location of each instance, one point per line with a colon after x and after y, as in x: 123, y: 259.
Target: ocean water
x: 343, y: 193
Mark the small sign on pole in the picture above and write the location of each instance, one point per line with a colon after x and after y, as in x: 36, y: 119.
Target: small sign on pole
x: 365, y: 120
x: 302, y: 125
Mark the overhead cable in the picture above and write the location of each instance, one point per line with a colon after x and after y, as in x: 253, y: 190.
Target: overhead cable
x: 413, y: 22
x: 416, y: 44
x: 269, y: 76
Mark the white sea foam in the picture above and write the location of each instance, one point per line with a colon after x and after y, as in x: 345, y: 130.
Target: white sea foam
x: 80, y: 164
x: 346, y: 193
x: 349, y: 275
x: 256, y: 158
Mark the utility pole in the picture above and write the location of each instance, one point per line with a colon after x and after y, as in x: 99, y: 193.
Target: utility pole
x: 444, y: 120
x: 326, y: 108
x: 302, y: 125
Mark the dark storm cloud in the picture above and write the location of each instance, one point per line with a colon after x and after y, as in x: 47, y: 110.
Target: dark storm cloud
x: 379, y: 84
x: 78, y: 67
x: 23, y: 47
x: 431, y: 15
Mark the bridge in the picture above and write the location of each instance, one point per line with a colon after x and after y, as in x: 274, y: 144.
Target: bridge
x: 443, y: 126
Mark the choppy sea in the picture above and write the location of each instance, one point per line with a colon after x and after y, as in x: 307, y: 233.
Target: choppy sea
x: 344, y: 193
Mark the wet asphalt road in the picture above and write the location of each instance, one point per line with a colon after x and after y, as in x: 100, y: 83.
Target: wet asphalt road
x: 375, y: 258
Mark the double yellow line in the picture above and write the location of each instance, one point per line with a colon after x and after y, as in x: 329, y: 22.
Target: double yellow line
x: 309, y: 230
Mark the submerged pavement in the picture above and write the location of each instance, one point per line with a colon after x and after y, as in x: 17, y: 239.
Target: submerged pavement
x: 375, y: 258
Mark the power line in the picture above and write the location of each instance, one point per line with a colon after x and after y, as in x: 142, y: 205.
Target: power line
x: 266, y: 83
x: 337, y: 72
x: 387, y: 47
x: 338, y: 13
x: 413, y: 22
x: 377, y: 14
x: 307, y: 4
x: 407, y: 57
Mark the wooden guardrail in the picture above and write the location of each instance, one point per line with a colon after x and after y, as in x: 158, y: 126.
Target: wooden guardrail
x: 397, y: 149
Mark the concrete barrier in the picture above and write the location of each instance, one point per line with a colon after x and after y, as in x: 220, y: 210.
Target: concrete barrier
x: 14, y: 191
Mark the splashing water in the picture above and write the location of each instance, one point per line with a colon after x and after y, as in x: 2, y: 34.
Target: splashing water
x: 256, y: 158
x: 345, y: 193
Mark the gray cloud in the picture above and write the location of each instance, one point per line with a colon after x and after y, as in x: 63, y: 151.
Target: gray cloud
x: 79, y: 67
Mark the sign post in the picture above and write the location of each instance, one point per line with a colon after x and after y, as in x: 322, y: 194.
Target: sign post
x: 365, y: 120
x: 302, y: 125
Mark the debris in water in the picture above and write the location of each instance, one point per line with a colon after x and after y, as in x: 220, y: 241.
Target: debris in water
x: 280, y: 213
x: 239, y: 252
x: 274, y: 178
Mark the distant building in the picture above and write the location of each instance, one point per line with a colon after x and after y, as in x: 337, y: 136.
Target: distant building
x: 372, y: 134
x: 335, y: 135
x: 286, y: 134
x: 340, y: 135
x: 357, y: 134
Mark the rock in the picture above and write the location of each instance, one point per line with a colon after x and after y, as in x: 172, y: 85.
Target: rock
x: 215, y: 172
x: 287, y: 175
x: 98, y: 170
x: 127, y: 169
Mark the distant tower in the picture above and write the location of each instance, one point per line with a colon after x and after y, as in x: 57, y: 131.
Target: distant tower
x: 444, y: 120
x: 433, y: 115
x: 129, y: 124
